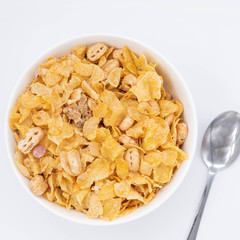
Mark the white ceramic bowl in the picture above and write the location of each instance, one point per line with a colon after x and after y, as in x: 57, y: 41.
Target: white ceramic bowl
x: 173, y: 82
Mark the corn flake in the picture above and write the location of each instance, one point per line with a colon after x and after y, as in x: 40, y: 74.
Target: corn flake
x: 101, y: 110
x: 148, y: 87
x: 111, y: 209
x: 89, y: 90
x: 97, y: 75
x: 29, y: 100
x: 111, y: 149
x: 128, y: 61
x: 80, y: 51
x: 167, y: 107
x: 40, y: 89
x: 156, y: 134
x: 90, y: 125
x: 51, y: 78
x: 122, y: 189
x: 83, y: 69
x: 169, y: 157
x: 114, y: 76
x: 41, y: 118
x: 162, y: 173
x: 153, y: 158
x: 64, y: 68
x: 95, y: 207
x: 106, y: 192
x: 122, y: 168
x: 100, y: 169
x: 145, y: 168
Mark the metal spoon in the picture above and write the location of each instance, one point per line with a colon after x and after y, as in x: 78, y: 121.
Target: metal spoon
x: 220, y: 148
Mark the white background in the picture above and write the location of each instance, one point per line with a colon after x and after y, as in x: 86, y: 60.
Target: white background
x: 202, y: 39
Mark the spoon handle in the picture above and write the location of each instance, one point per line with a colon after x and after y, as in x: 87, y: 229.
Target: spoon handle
x: 193, y: 232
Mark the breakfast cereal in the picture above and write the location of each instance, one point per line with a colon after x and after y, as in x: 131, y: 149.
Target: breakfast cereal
x: 97, y: 132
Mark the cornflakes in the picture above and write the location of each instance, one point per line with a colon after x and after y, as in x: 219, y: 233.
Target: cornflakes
x: 79, y: 103
x: 106, y: 192
x: 111, y: 209
x: 156, y: 134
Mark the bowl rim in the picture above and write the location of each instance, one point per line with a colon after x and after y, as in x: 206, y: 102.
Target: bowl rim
x: 45, y: 54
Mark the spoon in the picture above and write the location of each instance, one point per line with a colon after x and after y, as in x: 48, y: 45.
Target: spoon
x: 220, y: 148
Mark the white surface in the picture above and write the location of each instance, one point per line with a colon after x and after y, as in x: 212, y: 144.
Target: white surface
x: 174, y: 83
x: 201, y: 39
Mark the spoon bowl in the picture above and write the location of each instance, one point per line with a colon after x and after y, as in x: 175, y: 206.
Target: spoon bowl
x: 220, y: 148
x: 221, y: 141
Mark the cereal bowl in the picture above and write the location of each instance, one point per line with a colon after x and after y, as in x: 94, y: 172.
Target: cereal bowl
x: 173, y: 83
